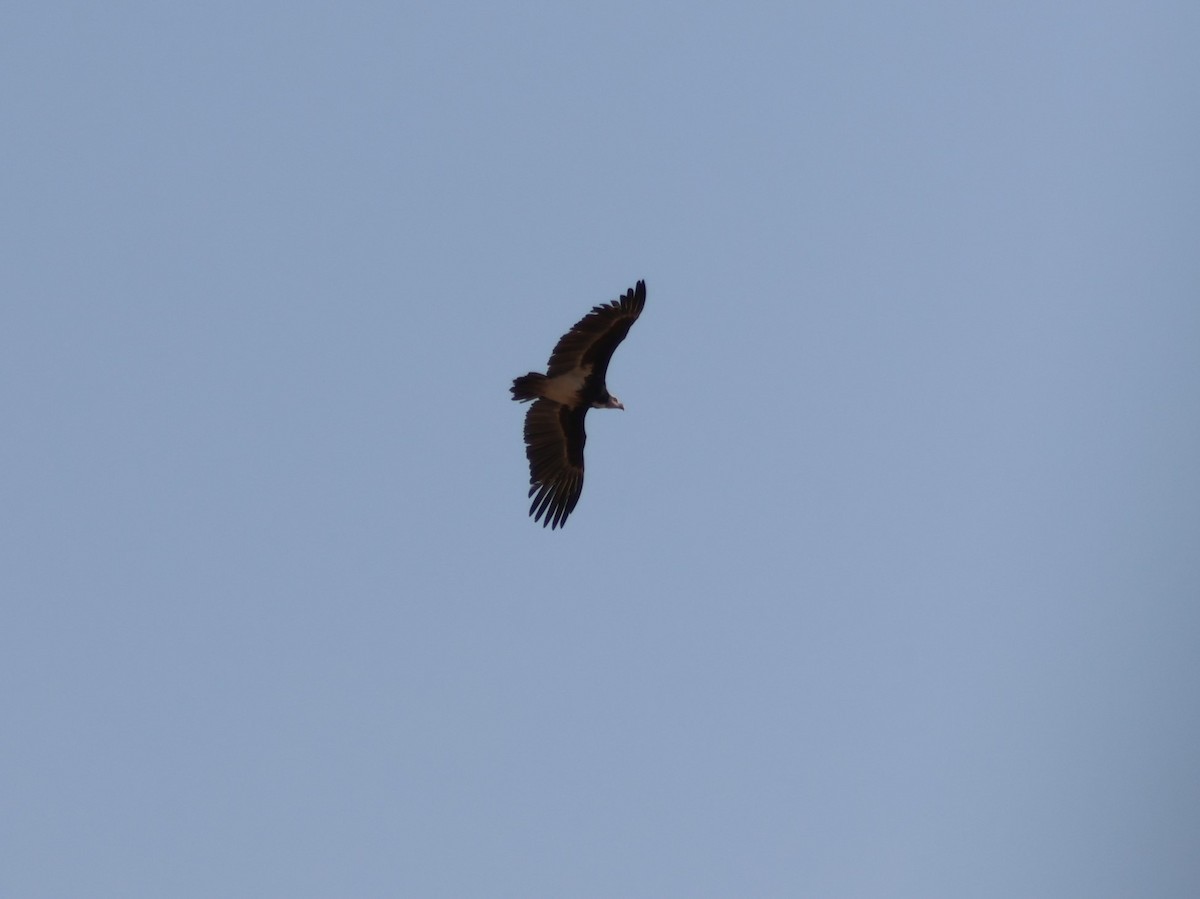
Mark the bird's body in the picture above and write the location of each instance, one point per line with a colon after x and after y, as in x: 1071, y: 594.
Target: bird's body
x: 573, y: 383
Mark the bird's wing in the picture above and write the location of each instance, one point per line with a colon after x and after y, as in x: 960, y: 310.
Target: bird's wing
x: 554, y: 439
x: 596, y: 335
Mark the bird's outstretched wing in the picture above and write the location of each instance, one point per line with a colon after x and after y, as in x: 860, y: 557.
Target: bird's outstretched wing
x: 554, y: 440
x: 594, y: 337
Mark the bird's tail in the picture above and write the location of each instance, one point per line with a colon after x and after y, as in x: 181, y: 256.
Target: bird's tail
x: 528, y: 387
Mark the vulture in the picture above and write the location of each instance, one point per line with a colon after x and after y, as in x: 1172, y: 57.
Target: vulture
x: 572, y: 384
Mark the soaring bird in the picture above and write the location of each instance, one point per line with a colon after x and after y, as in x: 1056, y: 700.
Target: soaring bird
x: 572, y: 384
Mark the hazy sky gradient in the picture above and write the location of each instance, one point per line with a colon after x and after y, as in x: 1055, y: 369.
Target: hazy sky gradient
x: 886, y: 584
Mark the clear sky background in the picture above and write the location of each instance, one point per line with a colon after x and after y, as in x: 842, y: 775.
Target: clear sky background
x: 886, y: 584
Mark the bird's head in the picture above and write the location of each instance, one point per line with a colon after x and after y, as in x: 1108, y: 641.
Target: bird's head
x: 614, y: 403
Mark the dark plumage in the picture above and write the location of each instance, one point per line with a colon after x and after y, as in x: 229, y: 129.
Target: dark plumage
x: 573, y: 383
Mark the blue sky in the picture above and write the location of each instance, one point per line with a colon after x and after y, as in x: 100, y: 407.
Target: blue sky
x: 886, y: 584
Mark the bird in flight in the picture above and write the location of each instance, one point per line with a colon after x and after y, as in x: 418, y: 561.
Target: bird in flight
x: 572, y: 384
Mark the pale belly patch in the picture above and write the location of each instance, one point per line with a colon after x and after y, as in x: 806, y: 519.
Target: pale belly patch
x: 565, y: 388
